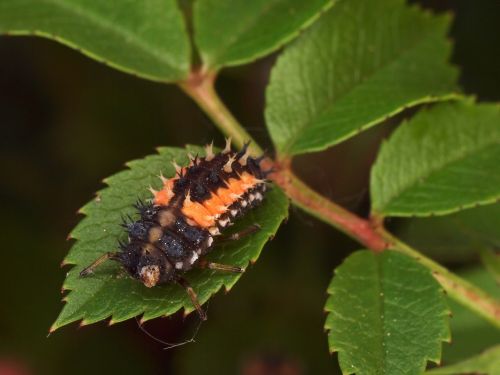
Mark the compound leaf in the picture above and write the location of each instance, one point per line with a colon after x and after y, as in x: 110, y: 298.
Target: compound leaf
x: 145, y: 38
x: 229, y: 32
x: 386, y: 315
x: 487, y: 362
x: 442, y: 160
x: 109, y: 292
x: 360, y: 63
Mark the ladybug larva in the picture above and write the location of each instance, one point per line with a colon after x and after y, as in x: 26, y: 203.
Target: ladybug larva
x: 178, y: 227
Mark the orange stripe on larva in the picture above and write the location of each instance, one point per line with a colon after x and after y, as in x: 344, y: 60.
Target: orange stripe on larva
x: 215, y: 205
x: 249, y: 179
x: 236, y: 187
x: 163, y: 197
x: 198, y: 213
x: 224, y: 195
x: 169, y: 184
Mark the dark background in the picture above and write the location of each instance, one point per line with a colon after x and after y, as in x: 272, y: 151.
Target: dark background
x: 67, y: 122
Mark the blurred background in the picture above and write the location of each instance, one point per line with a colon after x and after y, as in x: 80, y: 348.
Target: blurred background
x: 67, y: 122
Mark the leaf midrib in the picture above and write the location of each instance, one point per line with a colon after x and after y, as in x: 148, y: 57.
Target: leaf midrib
x: 106, y: 25
x: 343, y: 94
x: 460, y: 157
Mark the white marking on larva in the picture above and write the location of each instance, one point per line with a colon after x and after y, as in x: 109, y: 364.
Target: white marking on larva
x: 234, y: 196
x: 209, y: 152
x: 243, y: 203
x: 153, y: 191
x: 223, y: 223
x: 194, y: 257
x: 162, y: 178
x: 166, y: 217
x: 150, y: 275
x: 227, y: 149
x: 243, y: 159
x: 227, y: 167
x: 178, y: 265
x: 154, y: 234
x: 198, y: 251
x: 234, y: 212
x: 177, y: 167
x: 210, y: 241
x: 258, y: 196
x: 251, y: 197
x: 214, y: 231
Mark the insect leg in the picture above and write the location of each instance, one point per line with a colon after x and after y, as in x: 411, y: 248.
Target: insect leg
x: 242, y: 233
x: 90, y: 269
x: 194, y: 298
x: 219, y: 267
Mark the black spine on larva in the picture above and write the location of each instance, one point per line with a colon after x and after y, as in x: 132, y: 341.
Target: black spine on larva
x: 146, y: 210
x: 129, y: 255
x: 139, y: 229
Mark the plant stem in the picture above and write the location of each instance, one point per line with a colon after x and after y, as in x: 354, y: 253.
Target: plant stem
x: 320, y: 207
x: 200, y: 86
x: 370, y: 233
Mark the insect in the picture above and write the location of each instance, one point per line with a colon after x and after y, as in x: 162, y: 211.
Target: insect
x: 177, y: 227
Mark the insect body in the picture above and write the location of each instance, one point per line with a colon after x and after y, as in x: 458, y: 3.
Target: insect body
x: 178, y: 227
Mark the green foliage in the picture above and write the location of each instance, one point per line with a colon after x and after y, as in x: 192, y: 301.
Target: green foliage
x: 484, y: 363
x: 360, y: 63
x: 471, y: 334
x: 109, y: 292
x: 491, y: 261
x: 387, y: 315
x: 143, y: 38
x: 456, y: 237
x: 442, y: 160
x: 229, y: 32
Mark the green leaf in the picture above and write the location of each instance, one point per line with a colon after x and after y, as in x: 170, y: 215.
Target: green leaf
x: 491, y: 261
x: 229, y: 32
x: 452, y: 238
x: 484, y: 363
x: 360, y: 63
x: 147, y: 39
x: 442, y: 160
x: 109, y: 292
x: 472, y: 334
x: 387, y: 315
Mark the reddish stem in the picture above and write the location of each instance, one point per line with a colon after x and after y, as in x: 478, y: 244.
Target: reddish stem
x: 364, y: 231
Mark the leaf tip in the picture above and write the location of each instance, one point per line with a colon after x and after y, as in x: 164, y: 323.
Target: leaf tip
x: 53, y: 328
